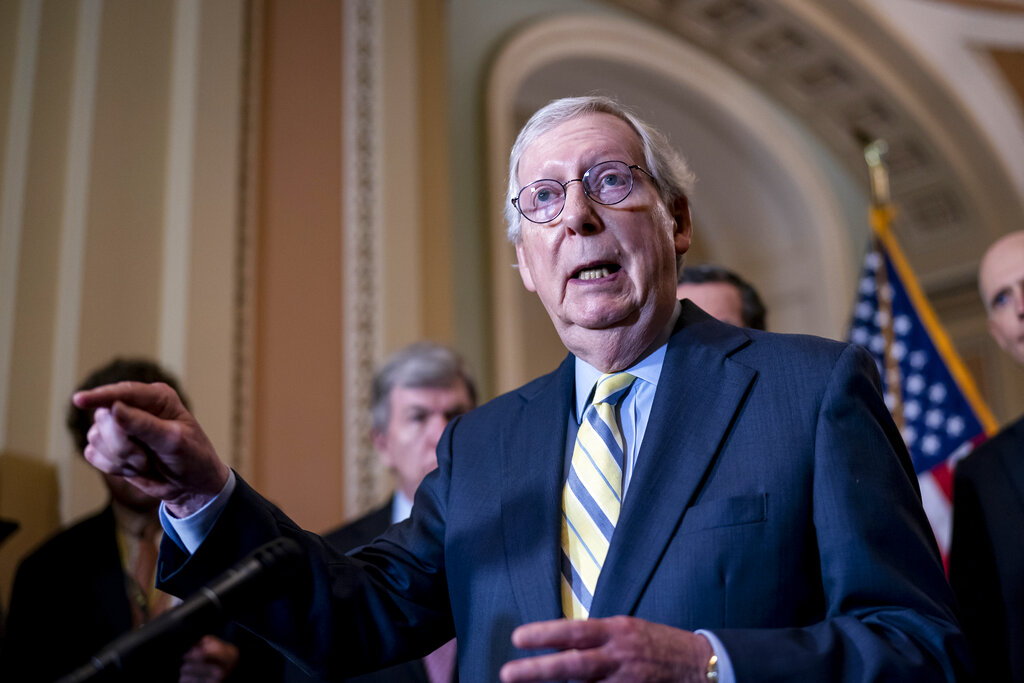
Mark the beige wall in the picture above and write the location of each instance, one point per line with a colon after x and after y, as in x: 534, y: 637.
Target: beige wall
x: 180, y: 197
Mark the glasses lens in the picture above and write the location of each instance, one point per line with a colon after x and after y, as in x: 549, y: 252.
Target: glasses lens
x: 541, y: 201
x: 608, y: 182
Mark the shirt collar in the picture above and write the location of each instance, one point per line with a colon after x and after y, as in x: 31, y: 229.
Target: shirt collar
x: 648, y: 370
x: 401, y: 508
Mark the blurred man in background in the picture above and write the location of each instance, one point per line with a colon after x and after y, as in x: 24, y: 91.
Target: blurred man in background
x: 95, y: 580
x: 415, y: 394
x: 986, y: 561
x: 723, y: 294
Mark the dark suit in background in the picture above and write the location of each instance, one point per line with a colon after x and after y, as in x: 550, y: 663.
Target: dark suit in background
x: 64, y: 610
x: 69, y: 600
x: 986, y: 561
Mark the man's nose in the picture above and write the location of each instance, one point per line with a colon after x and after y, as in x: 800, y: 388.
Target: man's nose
x: 579, y: 215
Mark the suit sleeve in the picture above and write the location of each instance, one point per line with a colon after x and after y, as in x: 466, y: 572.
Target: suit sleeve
x: 888, y: 610
x: 341, y: 615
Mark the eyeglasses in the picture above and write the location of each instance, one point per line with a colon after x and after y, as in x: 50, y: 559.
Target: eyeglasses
x: 608, y: 182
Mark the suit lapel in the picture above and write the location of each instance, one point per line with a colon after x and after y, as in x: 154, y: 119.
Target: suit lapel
x: 533, y: 453
x: 699, y: 392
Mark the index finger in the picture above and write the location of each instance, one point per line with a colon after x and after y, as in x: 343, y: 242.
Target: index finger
x: 560, y: 634
x: 138, y: 394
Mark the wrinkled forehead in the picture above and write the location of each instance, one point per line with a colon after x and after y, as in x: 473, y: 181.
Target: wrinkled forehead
x: 574, y: 145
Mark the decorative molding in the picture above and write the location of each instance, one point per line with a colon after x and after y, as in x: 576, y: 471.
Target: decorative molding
x: 362, y: 199
x: 839, y: 68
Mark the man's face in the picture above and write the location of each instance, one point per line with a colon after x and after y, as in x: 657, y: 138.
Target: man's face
x: 719, y: 299
x: 626, y: 252
x: 129, y: 495
x: 1001, y: 281
x: 418, y: 417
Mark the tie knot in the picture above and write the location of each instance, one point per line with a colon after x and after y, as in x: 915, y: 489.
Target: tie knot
x: 610, y: 388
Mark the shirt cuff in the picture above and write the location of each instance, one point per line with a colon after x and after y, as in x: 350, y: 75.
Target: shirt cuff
x: 188, y: 533
x: 725, y: 672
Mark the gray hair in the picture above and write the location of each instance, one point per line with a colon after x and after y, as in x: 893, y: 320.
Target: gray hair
x: 419, y: 365
x: 674, y: 178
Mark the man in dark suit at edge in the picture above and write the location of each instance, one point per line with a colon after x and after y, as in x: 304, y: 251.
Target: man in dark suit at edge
x: 986, y: 558
x: 749, y: 512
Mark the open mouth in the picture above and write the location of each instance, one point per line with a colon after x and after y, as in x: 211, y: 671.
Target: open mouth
x: 596, y: 272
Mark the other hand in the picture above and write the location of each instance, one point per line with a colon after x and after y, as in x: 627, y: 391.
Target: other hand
x: 144, y: 433
x: 211, y: 660
x: 611, y: 649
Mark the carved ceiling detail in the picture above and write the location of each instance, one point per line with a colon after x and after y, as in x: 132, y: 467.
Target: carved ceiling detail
x: 851, y: 84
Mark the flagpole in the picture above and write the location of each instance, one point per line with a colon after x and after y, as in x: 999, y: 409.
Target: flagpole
x: 881, y: 215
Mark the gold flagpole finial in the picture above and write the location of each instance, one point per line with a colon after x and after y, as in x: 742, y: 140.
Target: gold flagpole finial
x: 874, y: 153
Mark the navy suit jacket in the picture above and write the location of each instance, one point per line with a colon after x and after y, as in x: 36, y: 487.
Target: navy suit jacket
x: 986, y: 558
x: 772, y: 502
x: 346, y: 538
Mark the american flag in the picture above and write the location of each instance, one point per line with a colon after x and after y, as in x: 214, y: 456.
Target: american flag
x: 927, y: 388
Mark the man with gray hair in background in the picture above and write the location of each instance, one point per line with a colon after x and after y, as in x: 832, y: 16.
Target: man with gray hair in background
x: 417, y: 391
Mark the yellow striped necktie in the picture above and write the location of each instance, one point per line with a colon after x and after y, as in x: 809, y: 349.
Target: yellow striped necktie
x: 592, y: 495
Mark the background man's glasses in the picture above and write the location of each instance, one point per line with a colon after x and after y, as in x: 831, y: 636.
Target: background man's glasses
x: 608, y: 182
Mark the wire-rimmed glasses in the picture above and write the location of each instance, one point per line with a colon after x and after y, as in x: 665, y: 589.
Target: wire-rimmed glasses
x: 608, y: 182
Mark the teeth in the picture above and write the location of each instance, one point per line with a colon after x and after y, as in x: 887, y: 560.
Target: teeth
x: 593, y: 273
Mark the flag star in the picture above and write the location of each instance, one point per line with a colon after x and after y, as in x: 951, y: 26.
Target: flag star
x: 918, y: 359
x: 867, y: 286
x: 930, y: 444
x: 937, y: 393
x: 915, y: 383
x: 877, y: 344
x: 881, y: 318
x: 864, y: 310
x: 899, y: 350
x: 902, y: 325
x: 934, y: 418
x: 860, y: 335
x: 872, y: 260
x: 955, y: 425
x: 909, y: 435
x: 911, y: 410
x: 885, y: 292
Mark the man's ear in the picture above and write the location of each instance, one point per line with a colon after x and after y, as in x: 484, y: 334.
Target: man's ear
x: 524, y: 267
x: 684, y: 228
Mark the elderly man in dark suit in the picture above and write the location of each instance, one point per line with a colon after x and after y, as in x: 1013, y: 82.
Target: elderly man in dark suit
x: 680, y: 500
x: 986, y: 560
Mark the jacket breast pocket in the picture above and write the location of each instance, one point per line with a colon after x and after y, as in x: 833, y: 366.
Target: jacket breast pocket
x: 726, y: 512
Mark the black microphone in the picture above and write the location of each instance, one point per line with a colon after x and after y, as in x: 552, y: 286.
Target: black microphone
x: 260, y: 574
